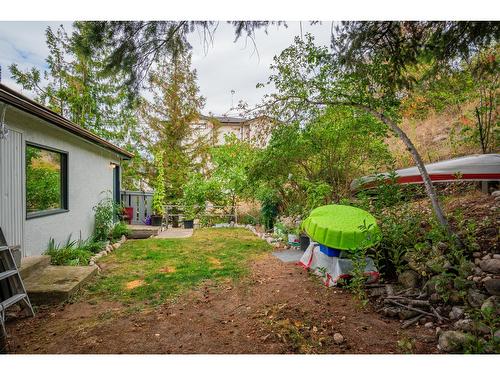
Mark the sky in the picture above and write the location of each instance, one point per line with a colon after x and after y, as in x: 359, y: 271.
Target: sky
x: 223, y: 67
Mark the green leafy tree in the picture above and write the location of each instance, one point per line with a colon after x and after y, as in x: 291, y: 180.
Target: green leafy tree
x: 309, y: 79
x: 175, y: 105
x: 158, y: 203
x: 313, y: 164
x: 230, y: 167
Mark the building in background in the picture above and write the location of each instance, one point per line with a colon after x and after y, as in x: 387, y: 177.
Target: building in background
x: 215, y: 129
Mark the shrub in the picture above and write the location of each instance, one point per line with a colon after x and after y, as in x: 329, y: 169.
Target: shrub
x: 105, y: 212
x: 92, y: 245
x: 69, y: 254
x: 119, y: 230
x: 248, y: 219
x: 159, y: 194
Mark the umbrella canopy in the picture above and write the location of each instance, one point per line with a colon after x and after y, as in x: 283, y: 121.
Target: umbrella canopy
x: 342, y: 227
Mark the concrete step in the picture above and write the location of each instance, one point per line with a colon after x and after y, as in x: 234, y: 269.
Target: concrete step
x: 142, y: 231
x: 56, y: 284
x: 33, y: 265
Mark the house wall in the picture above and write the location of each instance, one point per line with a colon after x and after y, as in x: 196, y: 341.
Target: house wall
x: 89, y: 176
x: 224, y: 129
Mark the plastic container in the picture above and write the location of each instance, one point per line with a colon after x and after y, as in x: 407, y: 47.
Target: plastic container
x: 293, y: 240
x: 329, y: 251
x: 304, y: 242
x: 129, y: 212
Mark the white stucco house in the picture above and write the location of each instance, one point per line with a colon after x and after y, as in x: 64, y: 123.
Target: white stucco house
x: 255, y: 130
x: 52, y: 173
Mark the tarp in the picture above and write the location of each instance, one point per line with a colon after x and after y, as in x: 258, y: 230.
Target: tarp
x: 341, y: 227
x: 468, y: 168
x: 332, y: 269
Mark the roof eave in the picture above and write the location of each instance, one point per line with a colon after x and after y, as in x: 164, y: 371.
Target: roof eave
x: 25, y: 104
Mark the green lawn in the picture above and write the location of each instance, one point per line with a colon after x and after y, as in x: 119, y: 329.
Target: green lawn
x: 153, y: 270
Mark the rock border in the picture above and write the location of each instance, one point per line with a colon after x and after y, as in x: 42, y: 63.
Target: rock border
x: 107, y: 249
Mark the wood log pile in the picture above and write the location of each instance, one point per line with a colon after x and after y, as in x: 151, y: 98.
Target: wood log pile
x: 411, y: 306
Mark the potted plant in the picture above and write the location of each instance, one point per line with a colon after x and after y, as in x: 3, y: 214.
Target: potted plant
x: 304, y: 241
x: 188, y: 217
x: 159, y: 194
x: 293, y: 236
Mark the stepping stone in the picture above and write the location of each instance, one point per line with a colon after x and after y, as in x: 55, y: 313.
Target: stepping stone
x: 289, y: 256
x: 175, y: 233
x: 55, y: 284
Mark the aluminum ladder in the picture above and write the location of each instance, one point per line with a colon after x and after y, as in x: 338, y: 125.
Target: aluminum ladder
x: 12, y: 289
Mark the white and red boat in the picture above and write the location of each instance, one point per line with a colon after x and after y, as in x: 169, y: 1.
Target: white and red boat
x: 484, y: 167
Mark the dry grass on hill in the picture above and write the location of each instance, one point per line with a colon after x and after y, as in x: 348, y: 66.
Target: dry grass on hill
x: 436, y: 138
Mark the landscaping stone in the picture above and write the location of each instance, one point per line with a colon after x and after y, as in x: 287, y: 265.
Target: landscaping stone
x: 492, y: 303
x: 377, y: 292
x: 116, y: 245
x: 495, y: 194
x: 338, y: 338
x: 434, y: 297
x: 492, y: 286
x: 442, y: 246
x: 476, y: 254
x: 490, y: 232
x: 475, y: 298
x: 463, y: 325
x: 455, y: 297
x: 496, y: 335
x: 451, y: 341
x: 429, y: 325
x: 456, y: 312
x: 496, y: 256
x: 491, y: 266
x: 407, y: 314
x: 486, y: 257
x: 409, y: 279
x: 390, y: 312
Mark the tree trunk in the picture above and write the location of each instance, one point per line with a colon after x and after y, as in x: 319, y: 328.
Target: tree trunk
x: 429, y: 187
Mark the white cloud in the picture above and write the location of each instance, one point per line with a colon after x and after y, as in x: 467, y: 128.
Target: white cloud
x: 224, y: 66
x: 23, y: 43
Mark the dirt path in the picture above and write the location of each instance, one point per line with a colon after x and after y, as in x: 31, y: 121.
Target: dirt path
x: 279, y: 308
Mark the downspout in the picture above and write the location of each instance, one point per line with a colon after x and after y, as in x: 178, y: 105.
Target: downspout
x: 3, y: 128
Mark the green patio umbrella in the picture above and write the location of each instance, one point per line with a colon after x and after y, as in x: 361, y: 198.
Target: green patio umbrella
x: 338, y: 226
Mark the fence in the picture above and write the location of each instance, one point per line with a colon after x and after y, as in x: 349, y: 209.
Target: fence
x: 140, y: 201
x: 206, y: 214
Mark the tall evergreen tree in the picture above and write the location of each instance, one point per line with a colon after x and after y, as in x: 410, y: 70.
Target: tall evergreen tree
x: 74, y: 87
x: 176, y: 103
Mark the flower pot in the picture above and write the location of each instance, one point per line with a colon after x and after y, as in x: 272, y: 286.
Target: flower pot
x: 188, y: 224
x: 293, y: 240
x: 304, y: 242
x: 156, y: 220
x: 128, y: 214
